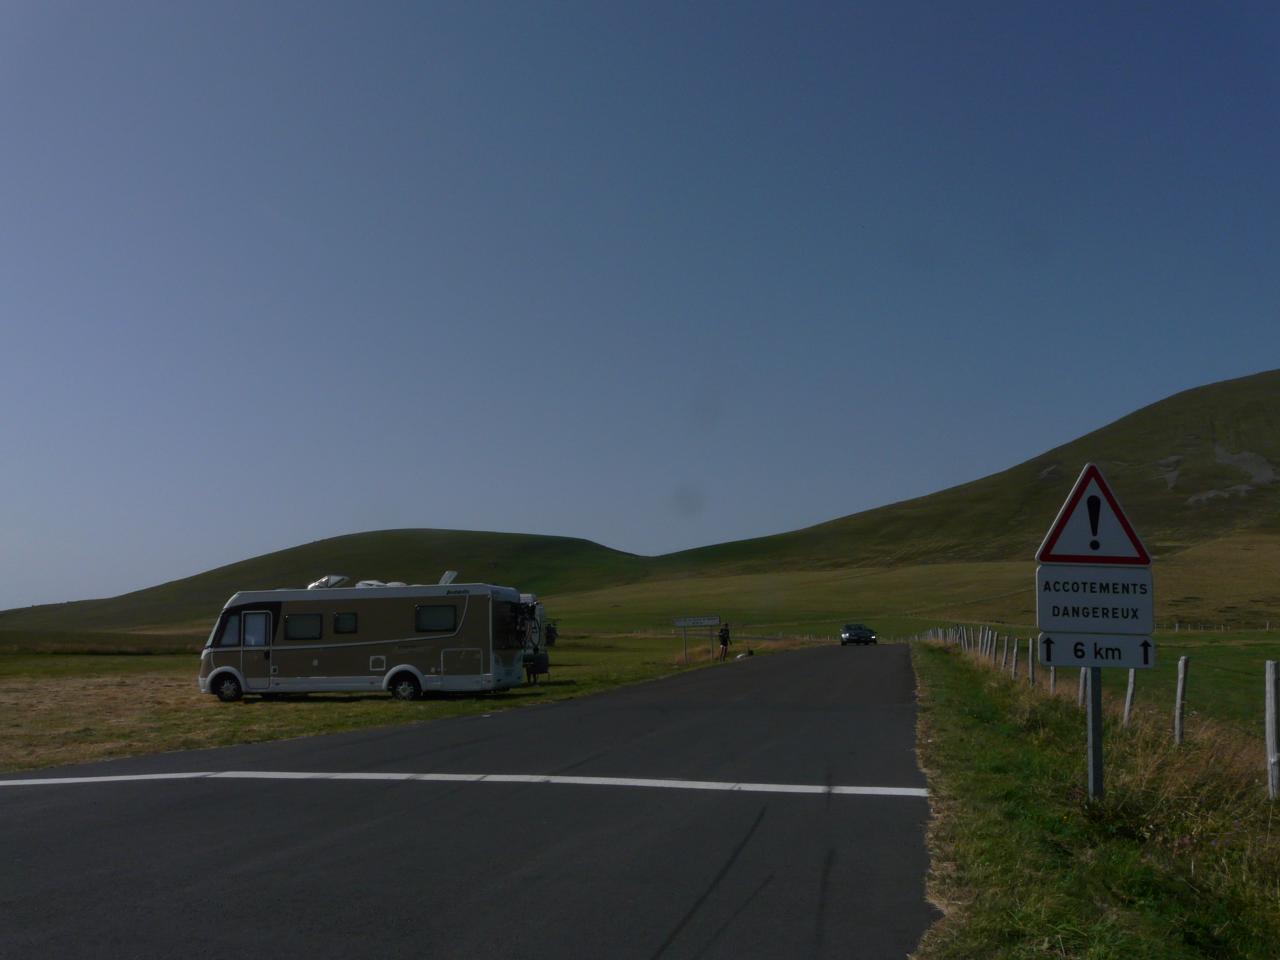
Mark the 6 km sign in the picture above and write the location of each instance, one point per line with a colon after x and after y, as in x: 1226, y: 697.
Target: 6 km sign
x: 1096, y: 650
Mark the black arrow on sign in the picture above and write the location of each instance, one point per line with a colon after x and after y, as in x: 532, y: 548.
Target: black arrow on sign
x: 1048, y: 649
x: 1146, y: 650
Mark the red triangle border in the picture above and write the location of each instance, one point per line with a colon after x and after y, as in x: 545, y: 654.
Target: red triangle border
x: 1046, y: 555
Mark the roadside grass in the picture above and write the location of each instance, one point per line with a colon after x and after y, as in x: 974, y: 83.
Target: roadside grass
x: 74, y: 708
x: 1179, y: 860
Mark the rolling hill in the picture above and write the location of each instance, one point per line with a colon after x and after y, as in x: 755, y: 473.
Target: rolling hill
x: 1198, y: 473
x: 1200, y: 465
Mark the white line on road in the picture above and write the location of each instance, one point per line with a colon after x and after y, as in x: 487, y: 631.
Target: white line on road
x: 800, y: 788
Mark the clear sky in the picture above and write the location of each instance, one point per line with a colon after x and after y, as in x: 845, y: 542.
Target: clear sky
x: 658, y: 275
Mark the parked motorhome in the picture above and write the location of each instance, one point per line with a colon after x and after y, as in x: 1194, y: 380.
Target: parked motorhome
x: 374, y: 636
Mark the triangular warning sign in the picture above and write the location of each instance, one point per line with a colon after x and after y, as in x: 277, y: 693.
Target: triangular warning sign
x: 1091, y: 528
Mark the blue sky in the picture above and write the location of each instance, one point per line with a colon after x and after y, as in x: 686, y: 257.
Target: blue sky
x: 658, y: 275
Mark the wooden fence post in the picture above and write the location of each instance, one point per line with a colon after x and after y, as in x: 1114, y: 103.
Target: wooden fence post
x: 1031, y: 661
x: 1180, y: 702
x: 1004, y: 654
x: 1128, y: 697
x: 1080, y: 693
x: 1014, y: 668
x: 1273, y: 732
x: 1053, y: 680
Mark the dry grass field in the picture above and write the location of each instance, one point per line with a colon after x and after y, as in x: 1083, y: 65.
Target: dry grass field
x: 72, y: 708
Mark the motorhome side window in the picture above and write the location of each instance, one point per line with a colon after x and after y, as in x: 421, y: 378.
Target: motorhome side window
x: 432, y: 618
x: 303, y: 626
x: 344, y: 623
x: 230, y: 636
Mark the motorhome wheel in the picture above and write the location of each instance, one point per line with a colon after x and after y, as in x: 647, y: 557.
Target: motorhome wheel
x: 405, y: 687
x: 228, y: 688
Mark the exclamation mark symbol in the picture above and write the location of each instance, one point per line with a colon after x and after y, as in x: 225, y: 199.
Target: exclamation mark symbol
x: 1095, y: 507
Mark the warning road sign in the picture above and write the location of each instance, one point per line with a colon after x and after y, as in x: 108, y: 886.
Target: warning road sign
x: 1094, y: 597
x: 1091, y: 528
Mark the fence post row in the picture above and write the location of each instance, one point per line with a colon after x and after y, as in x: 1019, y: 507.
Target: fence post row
x: 984, y: 642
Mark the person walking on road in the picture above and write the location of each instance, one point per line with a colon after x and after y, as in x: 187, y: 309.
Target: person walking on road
x: 724, y: 641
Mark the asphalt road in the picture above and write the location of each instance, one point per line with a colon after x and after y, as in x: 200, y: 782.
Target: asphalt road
x: 208, y: 867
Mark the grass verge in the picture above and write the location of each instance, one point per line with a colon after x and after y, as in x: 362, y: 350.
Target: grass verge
x: 1179, y: 860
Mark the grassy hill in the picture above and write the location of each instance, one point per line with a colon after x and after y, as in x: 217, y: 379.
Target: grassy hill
x: 1195, y: 467
x: 1198, y: 473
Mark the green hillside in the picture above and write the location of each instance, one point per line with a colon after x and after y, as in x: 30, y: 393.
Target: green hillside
x: 1198, y: 473
x: 1195, y: 467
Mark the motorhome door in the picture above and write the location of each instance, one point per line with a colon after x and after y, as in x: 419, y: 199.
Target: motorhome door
x: 255, y: 661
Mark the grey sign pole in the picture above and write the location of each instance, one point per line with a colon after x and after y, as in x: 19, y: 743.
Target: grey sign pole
x: 1095, y: 733
x: 1273, y: 731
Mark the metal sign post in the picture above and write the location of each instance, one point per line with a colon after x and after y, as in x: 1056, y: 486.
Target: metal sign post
x: 684, y: 623
x: 1095, y: 733
x: 1095, y: 598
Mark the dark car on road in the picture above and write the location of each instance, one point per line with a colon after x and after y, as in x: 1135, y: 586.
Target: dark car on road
x: 856, y: 633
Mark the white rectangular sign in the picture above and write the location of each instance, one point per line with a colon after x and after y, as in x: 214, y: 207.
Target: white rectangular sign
x: 1096, y: 650
x: 697, y: 621
x: 1080, y: 599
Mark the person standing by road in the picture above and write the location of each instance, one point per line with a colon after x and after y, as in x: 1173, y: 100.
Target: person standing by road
x: 724, y: 641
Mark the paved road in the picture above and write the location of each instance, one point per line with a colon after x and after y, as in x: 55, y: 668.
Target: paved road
x: 206, y: 866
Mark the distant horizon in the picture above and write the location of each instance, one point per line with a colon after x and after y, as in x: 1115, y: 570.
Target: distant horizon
x: 353, y: 533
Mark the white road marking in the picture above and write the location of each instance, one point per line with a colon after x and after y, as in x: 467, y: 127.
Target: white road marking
x: 722, y: 785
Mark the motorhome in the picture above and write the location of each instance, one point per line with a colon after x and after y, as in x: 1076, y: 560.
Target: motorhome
x: 402, y: 639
